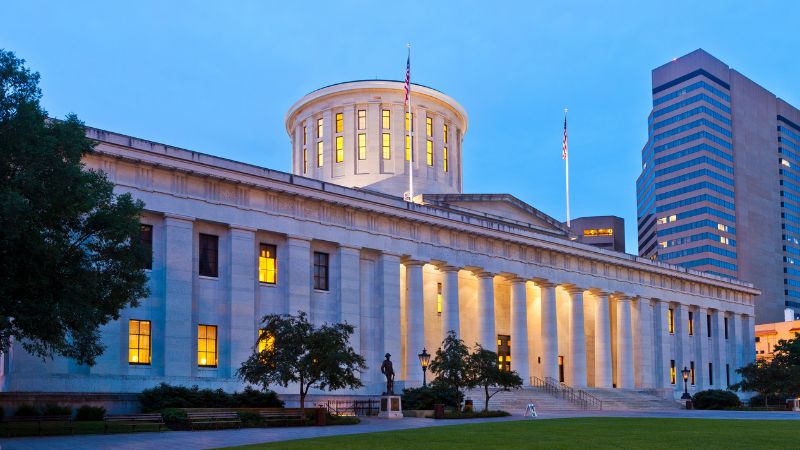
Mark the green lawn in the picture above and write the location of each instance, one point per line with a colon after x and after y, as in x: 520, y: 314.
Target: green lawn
x: 601, y: 432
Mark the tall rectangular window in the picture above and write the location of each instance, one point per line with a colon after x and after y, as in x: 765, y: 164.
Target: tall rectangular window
x: 362, y: 119
x: 139, y: 342
x: 319, y: 128
x: 386, y: 145
x: 410, y: 121
x: 146, y: 240
x: 267, y: 264
x: 339, y: 122
x: 320, y: 150
x: 710, y: 373
x: 444, y: 133
x: 321, y: 271
x: 305, y: 135
x: 428, y: 126
x: 439, y: 298
x: 708, y: 325
x: 691, y: 323
x: 207, y: 345
x: 726, y: 327
x: 339, y: 149
x: 691, y: 372
x: 386, y: 117
x: 209, y: 255
x: 429, y: 152
x: 673, y: 375
x: 727, y: 375
x: 444, y: 159
x: 266, y: 341
x: 305, y: 160
x: 362, y: 146
x: 408, y: 148
x: 671, y: 321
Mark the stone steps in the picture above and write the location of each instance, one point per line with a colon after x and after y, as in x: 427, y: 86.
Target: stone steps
x: 516, y: 401
x: 632, y: 400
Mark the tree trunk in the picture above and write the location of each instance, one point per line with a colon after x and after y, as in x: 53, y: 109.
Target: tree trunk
x: 486, y: 391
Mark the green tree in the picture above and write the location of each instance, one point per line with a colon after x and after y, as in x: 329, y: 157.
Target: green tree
x: 763, y: 377
x: 70, y: 257
x: 449, y: 365
x: 485, y: 372
x: 289, y: 349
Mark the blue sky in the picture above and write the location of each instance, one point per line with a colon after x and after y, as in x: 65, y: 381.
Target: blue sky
x: 218, y: 77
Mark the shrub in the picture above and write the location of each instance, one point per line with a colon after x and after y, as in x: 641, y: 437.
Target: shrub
x: 167, y: 396
x: 772, y: 400
x: 250, y: 419
x: 2, y: 414
x: 715, y: 399
x: 27, y: 410
x: 342, y: 420
x: 87, y: 413
x: 52, y: 409
x: 474, y: 415
x: 173, y: 415
x: 426, y: 397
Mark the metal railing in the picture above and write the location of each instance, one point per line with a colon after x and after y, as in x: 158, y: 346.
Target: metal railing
x: 369, y: 407
x: 560, y: 390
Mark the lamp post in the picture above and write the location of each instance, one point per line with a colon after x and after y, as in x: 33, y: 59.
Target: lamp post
x: 424, y: 360
x: 685, y: 372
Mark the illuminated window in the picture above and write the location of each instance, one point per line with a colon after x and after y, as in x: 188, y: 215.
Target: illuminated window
x: 319, y: 128
x: 691, y: 324
x: 139, y: 342
x: 560, y: 369
x: 339, y: 149
x: 444, y: 132
x: 408, y: 148
x: 146, y: 240
x: 209, y: 252
x: 724, y: 240
x: 207, y: 345
x: 691, y: 372
x: 267, y: 264
x: 362, y: 146
x: 722, y: 227
x: 305, y: 160
x: 409, y: 118
x: 504, y: 352
x: 671, y: 321
x: 598, y: 232
x: 673, y: 375
x: 319, y: 153
x: 305, y: 135
x: 266, y: 341
x: 362, y: 119
x: 785, y: 163
x: 339, y: 122
x: 429, y: 152
x: 386, y: 146
x: 428, y: 126
x: 321, y: 271
x: 439, y: 298
x: 444, y: 159
x: 385, y: 119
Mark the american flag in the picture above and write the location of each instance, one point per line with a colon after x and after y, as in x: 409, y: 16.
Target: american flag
x: 408, y: 76
x: 564, y: 146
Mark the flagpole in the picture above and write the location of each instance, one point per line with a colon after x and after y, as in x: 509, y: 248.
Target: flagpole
x: 410, y: 136
x: 566, y: 160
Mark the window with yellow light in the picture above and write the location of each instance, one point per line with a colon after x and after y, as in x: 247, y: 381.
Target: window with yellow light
x: 266, y: 341
x: 267, y: 264
x: 207, y: 345
x: 139, y: 342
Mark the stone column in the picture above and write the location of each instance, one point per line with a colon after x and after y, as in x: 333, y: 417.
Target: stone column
x: 662, y: 345
x: 242, y: 296
x: 737, y: 340
x: 450, y: 317
x: 350, y: 291
x: 519, y: 330
x: 701, y: 348
x: 644, y: 344
x: 486, y: 327
x: 389, y: 285
x: 749, y: 343
x: 549, y: 327
x: 415, y: 321
x: 577, y: 339
x: 298, y: 273
x: 624, y: 343
x: 602, y: 342
x: 178, y: 346
x: 682, y: 356
x: 718, y: 344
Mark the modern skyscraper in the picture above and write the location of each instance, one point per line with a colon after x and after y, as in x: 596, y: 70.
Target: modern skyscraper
x: 720, y: 185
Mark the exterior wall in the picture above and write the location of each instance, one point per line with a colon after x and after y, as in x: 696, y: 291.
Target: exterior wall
x: 767, y: 336
x: 375, y: 172
x: 386, y: 255
x: 582, y: 228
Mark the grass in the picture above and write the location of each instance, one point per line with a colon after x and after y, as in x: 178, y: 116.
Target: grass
x: 88, y: 427
x: 600, y: 432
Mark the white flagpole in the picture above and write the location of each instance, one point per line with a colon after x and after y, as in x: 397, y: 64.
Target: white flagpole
x: 566, y: 160
x: 410, y: 136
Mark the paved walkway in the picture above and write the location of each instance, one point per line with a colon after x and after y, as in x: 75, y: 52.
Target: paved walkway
x: 223, y: 438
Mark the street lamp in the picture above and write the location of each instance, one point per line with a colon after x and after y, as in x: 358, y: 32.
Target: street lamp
x: 424, y: 360
x: 685, y: 372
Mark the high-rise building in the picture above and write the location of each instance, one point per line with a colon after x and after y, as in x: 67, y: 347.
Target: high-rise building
x: 606, y: 232
x: 720, y: 185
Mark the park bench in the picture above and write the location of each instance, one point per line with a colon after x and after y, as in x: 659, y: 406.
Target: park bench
x: 133, y: 420
x: 218, y: 419
x: 65, y: 421
x: 283, y: 415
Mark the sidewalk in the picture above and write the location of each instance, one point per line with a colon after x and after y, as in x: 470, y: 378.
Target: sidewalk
x: 223, y: 438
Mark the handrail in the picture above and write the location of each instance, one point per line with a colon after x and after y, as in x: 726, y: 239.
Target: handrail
x: 560, y: 390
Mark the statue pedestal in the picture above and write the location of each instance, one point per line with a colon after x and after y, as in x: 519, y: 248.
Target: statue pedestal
x: 391, y: 407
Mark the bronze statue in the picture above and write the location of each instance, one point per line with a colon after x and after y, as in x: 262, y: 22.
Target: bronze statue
x: 388, y: 371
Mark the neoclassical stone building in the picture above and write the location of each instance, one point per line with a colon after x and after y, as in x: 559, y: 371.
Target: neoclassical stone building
x: 232, y: 242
